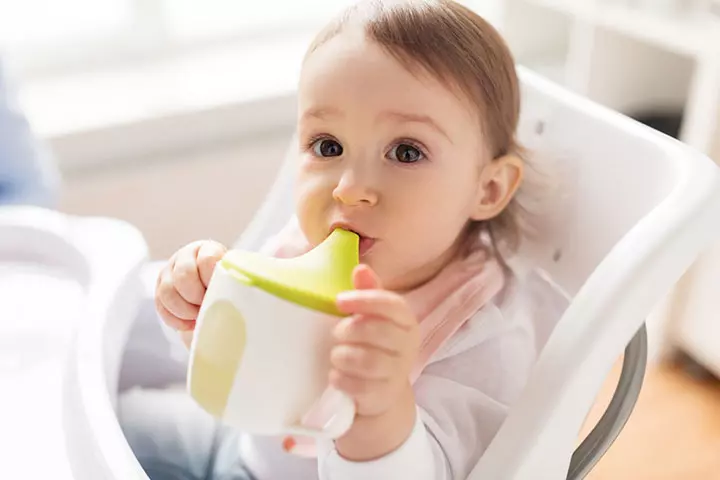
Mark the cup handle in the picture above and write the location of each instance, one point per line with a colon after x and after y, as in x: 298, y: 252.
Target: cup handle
x: 329, y: 418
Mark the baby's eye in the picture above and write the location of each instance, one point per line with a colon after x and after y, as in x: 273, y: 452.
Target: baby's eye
x: 405, y: 153
x: 327, y: 148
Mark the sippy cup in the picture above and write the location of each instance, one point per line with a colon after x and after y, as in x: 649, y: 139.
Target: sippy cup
x: 260, y: 355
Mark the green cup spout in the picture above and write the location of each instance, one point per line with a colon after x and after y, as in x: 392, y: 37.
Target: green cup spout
x: 313, y: 279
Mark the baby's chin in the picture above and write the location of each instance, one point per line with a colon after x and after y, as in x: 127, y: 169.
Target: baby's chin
x: 406, y: 277
x: 389, y: 279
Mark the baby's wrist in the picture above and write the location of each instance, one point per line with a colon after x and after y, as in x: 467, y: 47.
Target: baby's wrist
x: 373, y: 437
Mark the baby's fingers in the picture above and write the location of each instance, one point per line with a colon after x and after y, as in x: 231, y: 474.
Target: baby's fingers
x: 208, y: 255
x: 363, y: 362
x: 374, y: 332
x: 186, y: 275
x: 170, y: 299
x: 171, y: 320
x: 377, y: 303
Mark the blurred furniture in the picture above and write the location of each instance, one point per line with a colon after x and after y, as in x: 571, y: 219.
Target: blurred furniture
x: 630, y: 58
x: 28, y: 173
x: 654, y: 61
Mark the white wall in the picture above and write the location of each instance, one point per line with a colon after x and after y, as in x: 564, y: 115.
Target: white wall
x: 173, y: 200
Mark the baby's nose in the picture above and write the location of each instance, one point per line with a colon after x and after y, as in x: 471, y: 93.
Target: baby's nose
x: 355, y: 188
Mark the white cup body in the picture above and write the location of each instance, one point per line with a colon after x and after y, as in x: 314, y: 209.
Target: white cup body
x: 258, y: 362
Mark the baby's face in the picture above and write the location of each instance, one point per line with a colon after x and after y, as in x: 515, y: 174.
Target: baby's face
x: 394, y: 156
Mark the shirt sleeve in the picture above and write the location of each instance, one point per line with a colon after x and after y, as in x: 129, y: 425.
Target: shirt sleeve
x: 418, y: 458
x: 462, y: 399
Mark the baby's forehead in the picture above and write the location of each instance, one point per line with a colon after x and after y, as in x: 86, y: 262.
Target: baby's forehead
x: 445, y: 109
x: 366, y: 83
x: 382, y: 95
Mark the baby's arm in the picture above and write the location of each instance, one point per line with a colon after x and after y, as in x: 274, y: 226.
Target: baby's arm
x: 374, y: 351
x: 462, y: 399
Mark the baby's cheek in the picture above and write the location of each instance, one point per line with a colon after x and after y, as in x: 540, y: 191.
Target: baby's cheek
x: 311, y: 207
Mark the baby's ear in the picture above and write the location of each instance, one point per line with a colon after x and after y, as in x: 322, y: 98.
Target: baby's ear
x: 499, y: 181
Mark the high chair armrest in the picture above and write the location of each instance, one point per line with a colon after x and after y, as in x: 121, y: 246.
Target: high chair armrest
x: 603, y: 435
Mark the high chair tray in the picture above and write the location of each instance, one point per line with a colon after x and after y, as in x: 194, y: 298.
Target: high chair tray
x: 52, y: 269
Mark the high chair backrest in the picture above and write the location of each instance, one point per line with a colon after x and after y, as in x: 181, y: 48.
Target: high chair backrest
x: 638, y: 210
x: 634, y: 209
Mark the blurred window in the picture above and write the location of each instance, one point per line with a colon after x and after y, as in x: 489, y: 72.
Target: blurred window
x: 46, y: 36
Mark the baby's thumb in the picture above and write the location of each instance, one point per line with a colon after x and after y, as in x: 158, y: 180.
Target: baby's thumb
x: 365, y: 278
x: 207, y: 257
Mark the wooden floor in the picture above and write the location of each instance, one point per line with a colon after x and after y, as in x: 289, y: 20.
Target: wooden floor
x: 673, y: 434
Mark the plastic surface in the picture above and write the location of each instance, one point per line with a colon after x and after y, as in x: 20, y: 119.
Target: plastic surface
x: 53, y: 269
x: 43, y: 283
x: 312, y: 280
x: 97, y: 447
x: 640, y: 209
x: 260, y: 362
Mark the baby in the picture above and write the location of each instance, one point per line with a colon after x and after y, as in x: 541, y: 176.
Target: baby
x: 406, y: 129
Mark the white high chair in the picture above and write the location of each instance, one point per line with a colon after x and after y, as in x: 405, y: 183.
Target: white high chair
x: 642, y: 208
x: 56, y: 272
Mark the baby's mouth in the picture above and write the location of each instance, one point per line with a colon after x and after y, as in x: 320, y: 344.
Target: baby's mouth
x: 366, y: 245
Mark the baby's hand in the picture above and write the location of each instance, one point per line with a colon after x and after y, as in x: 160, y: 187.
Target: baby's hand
x: 181, y: 285
x: 375, y: 347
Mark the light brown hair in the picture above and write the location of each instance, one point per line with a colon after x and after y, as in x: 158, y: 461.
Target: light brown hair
x: 467, y: 54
